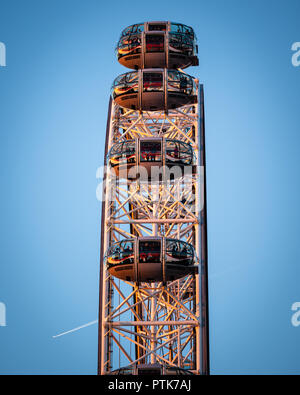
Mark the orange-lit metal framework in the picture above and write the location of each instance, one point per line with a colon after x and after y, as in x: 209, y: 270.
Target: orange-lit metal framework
x: 153, y: 274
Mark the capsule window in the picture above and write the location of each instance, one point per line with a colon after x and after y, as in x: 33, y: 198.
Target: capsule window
x: 127, y: 251
x: 150, y: 151
x: 181, y: 83
x: 129, y: 45
x: 122, y: 153
x: 157, y: 27
x: 125, y: 84
x: 183, y: 29
x: 133, y: 29
x: 178, y: 153
x: 179, y: 252
x: 155, y: 43
x: 181, y: 43
x: 153, y: 82
x: 129, y: 151
x: 121, y: 253
x: 149, y: 251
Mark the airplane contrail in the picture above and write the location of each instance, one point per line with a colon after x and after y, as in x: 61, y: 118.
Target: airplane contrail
x: 76, y: 329
x: 220, y: 273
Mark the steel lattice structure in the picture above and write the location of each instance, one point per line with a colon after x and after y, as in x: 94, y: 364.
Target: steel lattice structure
x: 163, y: 322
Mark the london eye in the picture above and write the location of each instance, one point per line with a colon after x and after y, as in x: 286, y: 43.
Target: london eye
x: 153, y: 315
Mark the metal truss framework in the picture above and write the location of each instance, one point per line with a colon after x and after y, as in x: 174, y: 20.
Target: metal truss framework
x: 155, y: 323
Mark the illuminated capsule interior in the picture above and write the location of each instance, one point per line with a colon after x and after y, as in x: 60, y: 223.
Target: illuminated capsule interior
x: 157, y: 44
x: 149, y: 153
x: 154, y: 90
x: 150, y: 259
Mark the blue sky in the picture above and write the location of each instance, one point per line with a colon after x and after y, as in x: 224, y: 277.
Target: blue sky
x: 53, y: 108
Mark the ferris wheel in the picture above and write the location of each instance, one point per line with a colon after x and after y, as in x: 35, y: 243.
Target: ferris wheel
x: 153, y: 271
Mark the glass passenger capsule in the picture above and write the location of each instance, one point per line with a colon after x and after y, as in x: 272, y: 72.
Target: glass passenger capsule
x: 157, y: 44
x: 151, y: 259
x: 154, y: 90
x: 128, y: 157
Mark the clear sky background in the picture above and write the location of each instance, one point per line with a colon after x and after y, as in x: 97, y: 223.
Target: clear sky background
x: 53, y: 107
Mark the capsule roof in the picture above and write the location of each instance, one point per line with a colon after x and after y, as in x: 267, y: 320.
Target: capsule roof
x: 159, y: 26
